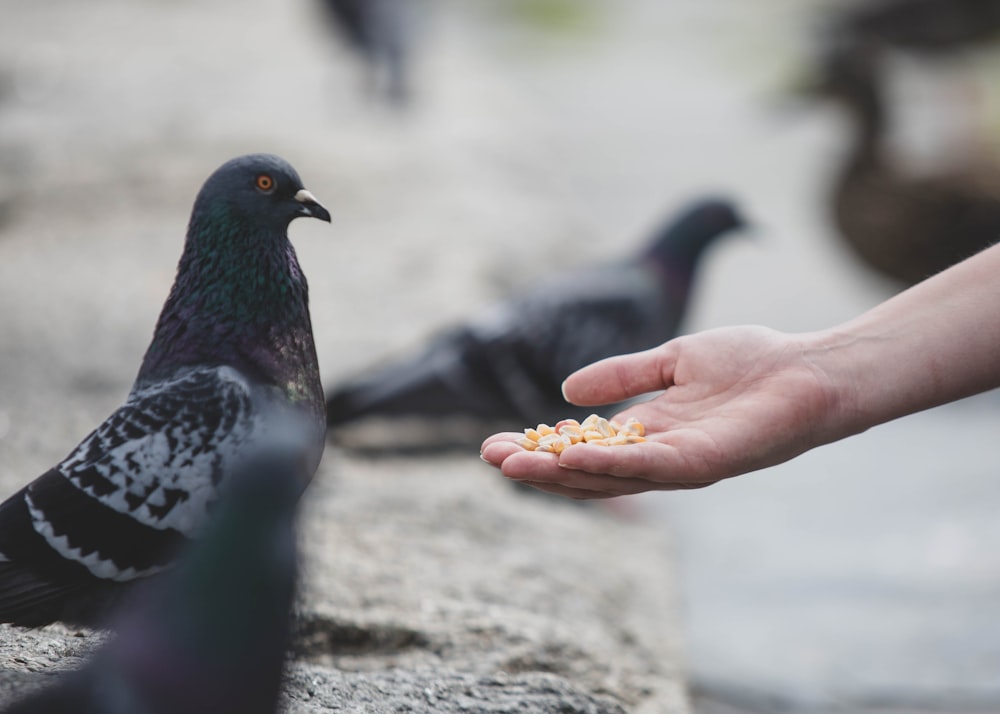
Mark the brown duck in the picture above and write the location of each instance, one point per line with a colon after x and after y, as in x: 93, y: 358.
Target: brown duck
x: 928, y: 27
x: 906, y: 225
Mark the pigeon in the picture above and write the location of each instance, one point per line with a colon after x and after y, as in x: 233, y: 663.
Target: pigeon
x: 231, y: 357
x: 379, y: 32
x: 210, y: 635
x: 506, y: 366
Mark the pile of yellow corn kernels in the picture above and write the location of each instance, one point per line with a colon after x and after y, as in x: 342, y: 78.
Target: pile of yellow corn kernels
x: 592, y: 430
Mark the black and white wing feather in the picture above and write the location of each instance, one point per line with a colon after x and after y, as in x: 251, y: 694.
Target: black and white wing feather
x: 137, y: 488
x: 161, y: 457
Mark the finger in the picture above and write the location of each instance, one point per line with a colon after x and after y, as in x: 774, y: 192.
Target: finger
x: 522, y: 465
x: 659, y: 464
x: 501, y: 437
x: 529, y: 467
x: 560, y: 490
x: 497, y: 448
x: 601, y: 484
x: 538, y: 468
x: 580, y: 494
x: 618, y: 378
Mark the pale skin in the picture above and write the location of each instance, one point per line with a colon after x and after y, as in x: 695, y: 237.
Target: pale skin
x: 739, y: 399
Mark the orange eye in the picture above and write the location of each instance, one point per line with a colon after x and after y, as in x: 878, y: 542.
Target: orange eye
x: 264, y: 183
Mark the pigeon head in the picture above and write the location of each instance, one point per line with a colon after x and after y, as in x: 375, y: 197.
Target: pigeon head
x: 240, y: 297
x: 262, y: 189
x: 681, y: 240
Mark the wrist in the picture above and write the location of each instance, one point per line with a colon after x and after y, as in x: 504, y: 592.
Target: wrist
x: 931, y: 344
x: 839, y: 361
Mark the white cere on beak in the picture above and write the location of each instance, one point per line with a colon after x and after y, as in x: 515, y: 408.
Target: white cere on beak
x: 303, y: 196
x: 309, y: 206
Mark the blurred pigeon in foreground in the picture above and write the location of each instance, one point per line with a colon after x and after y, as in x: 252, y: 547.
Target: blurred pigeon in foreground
x: 508, y: 365
x: 210, y: 635
x: 380, y: 33
x: 232, y: 356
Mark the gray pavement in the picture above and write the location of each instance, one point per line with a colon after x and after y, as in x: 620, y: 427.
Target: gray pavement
x: 860, y: 577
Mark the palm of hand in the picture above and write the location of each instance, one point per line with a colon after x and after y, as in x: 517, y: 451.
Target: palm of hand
x: 736, y: 400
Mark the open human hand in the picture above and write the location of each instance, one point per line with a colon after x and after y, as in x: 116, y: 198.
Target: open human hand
x: 734, y: 400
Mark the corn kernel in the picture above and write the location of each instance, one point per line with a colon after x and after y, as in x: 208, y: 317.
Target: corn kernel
x: 633, y: 426
x: 594, y: 430
x: 572, y: 431
x: 604, y: 427
x: 553, y: 442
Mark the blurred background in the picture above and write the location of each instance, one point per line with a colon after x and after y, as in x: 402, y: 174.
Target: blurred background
x: 468, y: 148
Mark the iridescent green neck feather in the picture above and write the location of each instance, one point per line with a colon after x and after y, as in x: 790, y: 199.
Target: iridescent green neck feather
x: 239, y: 299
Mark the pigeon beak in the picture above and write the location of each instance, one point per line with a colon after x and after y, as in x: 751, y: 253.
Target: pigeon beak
x: 310, y: 206
x: 749, y: 229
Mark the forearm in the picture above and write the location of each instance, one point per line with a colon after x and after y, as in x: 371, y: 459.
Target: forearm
x: 936, y: 342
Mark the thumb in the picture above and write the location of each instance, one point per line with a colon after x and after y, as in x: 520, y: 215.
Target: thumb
x: 622, y: 377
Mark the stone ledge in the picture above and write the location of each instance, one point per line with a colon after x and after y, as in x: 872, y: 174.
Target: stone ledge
x: 437, y: 575
x: 434, y: 585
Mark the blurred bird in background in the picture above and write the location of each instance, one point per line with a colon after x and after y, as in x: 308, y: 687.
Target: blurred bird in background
x: 907, y: 224
x: 381, y: 34
x: 209, y: 636
x: 921, y: 26
x: 506, y: 367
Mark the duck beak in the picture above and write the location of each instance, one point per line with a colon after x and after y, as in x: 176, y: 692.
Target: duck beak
x: 310, y: 206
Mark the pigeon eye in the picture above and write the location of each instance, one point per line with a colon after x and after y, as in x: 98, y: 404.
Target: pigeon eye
x: 264, y: 183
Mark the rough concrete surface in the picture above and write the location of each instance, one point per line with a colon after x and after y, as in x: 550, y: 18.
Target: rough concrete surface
x: 432, y: 587
x: 430, y: 584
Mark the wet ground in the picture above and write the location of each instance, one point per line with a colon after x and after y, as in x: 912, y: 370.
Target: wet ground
x: 862, y: 576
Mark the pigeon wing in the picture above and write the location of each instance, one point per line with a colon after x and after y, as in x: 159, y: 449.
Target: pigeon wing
x: 549, y: 334
x: 143, y: 481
